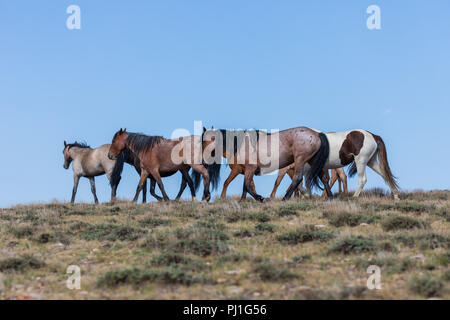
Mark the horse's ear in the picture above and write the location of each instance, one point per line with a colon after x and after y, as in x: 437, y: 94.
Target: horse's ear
x: 65, y: 143
x: 124, y: 130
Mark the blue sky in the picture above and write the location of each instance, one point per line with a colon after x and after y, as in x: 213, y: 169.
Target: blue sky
x: 155, y: 66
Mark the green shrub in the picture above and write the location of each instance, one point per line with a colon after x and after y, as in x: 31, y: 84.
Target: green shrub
x: 300, y: 259
x: 265, y: 227
x: 176, y: 259
x: 305, y: 234
x: 20, y: 264
x: 22, y: 232
x: 352, y: 244
x: 112, y: 232
x: 269, y: 271
x: 152, y: 222
x: 401, y: 222
x: 137, y: 277
x: 426, y: 286
x: 345, y: 218
x: 200, y: 247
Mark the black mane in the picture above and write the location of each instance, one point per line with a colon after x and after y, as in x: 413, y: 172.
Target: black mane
x: 78, y: 145
x: 224, y: 137
x: 141, y: 142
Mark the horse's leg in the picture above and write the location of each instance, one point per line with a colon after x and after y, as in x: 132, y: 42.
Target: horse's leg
x: 248, y: 178
x: 204, y: 172
x: 113, y: 188
x: 188, y: 179
x: 182, y: 186
x: 92, y: 181
x: 299, y: 187
x: 280, y: 177
x: 152, y: 189
x: 296, y: 179
x: 144, y: 192
x: 157, y: 177
x: 325, y: 177
x: 233, y: 174
x: 142, y: 180
x: 76, y: 179
x: 362, y: 179
x: 342, y: 178
x: 375, y: 166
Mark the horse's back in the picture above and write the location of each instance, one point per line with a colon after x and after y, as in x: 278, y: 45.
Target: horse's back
x: 99, y: 162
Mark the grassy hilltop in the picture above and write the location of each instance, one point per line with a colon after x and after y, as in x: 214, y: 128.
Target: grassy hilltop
x: 306, y: 249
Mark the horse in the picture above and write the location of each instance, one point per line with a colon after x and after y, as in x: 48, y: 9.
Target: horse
x: 251, y: 152
x: 336, y: 175
x: 158, y: 155
x: 131, y: 159
x: 90, y: 163
x: 360, y: 148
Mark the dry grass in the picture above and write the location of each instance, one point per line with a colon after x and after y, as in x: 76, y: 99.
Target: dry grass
x: 306, y: 249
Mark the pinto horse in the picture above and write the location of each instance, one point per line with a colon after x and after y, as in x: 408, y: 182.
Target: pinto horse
x: 257, y: 152
x: 157, y: 156
x: 360, y: 148
x: 89, y: 163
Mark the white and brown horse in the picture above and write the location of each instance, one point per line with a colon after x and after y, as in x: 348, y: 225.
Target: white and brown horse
x: 360, y: 148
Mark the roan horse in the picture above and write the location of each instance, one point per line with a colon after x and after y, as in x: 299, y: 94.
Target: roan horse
x: 89, y: 163
x: 253, y: 151
x: 156, y: 156
x: 336, y: 175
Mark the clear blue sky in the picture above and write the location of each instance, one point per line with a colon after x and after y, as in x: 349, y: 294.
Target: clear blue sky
x: 154, y: 66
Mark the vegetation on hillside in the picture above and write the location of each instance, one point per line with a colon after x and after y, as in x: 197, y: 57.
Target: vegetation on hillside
x: 300, y: 249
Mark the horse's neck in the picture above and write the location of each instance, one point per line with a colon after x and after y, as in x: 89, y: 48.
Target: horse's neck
x: 77, y: 153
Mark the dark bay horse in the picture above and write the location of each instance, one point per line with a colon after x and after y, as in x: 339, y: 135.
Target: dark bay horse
x: 89, y: 163
x: 259, y: 152
x: 158, y: 155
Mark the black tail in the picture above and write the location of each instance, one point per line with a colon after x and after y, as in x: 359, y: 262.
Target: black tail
x: 319, y: 160
x: 214, y: 175
x: 352, y: 170
x: 196, y: 178
x: 117, y: 170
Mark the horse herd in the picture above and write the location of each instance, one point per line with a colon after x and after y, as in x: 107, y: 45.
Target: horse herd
x: 299, y: 152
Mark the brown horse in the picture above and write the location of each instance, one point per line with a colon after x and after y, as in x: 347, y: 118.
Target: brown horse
x: 336, y: 175
x: 158, y: 155
x: 258, y: 152
x: 131, y: 159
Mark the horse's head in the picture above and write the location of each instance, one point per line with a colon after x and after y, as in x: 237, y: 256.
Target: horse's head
x: 67, y: 158
x: 118, y: 144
